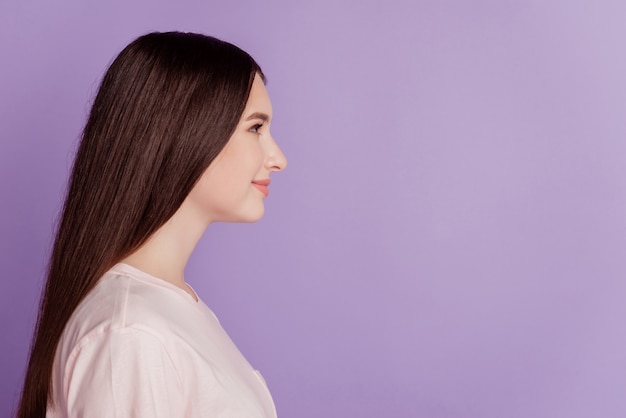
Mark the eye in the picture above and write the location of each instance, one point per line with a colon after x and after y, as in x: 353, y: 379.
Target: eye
x: 255, y: 128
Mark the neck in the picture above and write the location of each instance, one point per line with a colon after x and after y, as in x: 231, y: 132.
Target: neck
x: 166, y: 252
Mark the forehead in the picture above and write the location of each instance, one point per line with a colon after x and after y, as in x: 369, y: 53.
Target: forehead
x: 259, y: 99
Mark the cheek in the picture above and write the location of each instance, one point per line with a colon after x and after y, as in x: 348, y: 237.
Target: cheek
x: 204, y: 190
x: 229, y: 174
x: 256, y: 160
x: 249, y: 152
x: 244, y: 166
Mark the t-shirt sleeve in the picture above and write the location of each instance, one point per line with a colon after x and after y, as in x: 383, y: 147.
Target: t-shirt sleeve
x: 123, y: 373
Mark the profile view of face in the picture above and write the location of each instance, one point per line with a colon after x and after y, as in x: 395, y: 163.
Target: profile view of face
x: 233, y: 187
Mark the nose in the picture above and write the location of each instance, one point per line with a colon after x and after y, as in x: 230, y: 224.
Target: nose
x: 275, y: 160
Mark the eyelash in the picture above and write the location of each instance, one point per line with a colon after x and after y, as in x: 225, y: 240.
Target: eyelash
x: 255, y: 128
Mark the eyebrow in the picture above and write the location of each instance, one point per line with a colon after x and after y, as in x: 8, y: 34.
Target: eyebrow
x: 258, y: 115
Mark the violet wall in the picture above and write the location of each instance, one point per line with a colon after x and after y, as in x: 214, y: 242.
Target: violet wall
x: 449, y: 237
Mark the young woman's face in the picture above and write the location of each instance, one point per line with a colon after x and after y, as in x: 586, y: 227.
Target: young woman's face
x: 233, y: 187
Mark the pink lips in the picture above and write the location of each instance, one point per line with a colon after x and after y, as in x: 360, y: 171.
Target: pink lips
x: 262, y: 185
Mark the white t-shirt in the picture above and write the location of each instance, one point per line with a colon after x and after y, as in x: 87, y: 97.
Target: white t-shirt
x: 138, y: 346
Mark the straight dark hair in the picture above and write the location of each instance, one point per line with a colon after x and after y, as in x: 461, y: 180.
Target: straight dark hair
x: 166, y: 107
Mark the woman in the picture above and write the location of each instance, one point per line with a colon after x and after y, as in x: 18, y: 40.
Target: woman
x: 178, y: 137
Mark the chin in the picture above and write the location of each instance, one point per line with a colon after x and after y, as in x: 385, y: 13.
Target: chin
x: 249, y: 216
x: 257, y: 216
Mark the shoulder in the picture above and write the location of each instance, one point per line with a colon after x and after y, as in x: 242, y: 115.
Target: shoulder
x: 121, y: 300
x: 124, y: 308
x: 137, y: 337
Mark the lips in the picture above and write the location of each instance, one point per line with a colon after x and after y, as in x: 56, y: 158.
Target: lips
x: 262, y: 186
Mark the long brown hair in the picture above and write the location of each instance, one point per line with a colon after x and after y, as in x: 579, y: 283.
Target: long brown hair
x: 166, y: 107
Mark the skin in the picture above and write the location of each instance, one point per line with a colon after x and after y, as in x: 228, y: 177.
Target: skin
x: 224, y: 193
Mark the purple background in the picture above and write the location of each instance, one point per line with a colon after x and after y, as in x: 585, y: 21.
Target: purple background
x: 448, y: 239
